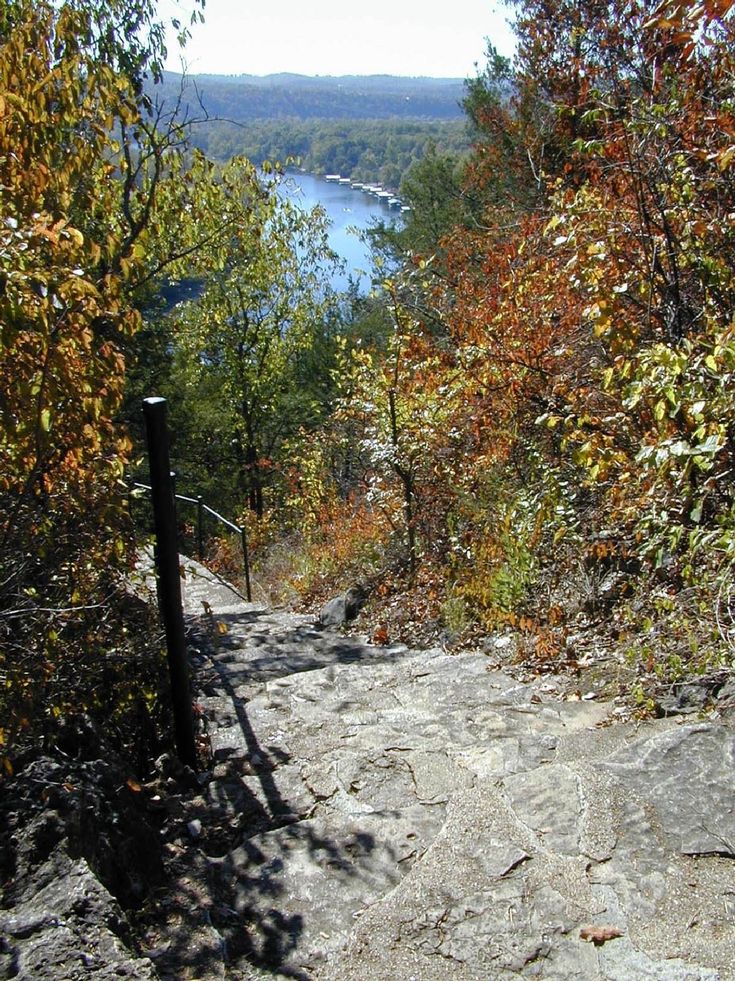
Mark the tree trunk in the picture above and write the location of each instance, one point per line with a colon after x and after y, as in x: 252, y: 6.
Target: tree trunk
x: 255, y: 481
x: 406, y: 478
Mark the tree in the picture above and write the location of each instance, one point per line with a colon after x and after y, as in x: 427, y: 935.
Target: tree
x: 579, y: 330
x: 258, y: 336
x: 504, y: 176
x: 432, y: 190
x: 71, y: 246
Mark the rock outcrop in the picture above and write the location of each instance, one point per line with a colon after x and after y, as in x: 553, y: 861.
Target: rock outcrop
x: 74, y: 838
x: 395, y: 815
x: 379, y: 814
x: 342, y: 609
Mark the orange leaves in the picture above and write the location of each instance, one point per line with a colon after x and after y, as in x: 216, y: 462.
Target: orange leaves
x: 683, y: 19
x: 507, y: 323
x: 553, y: 399
x: 54, y: 185
x: 380, y: 635
x: 62, y: 524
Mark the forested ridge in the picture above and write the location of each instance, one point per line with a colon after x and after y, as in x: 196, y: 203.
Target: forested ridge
x: 369, y: 150
x: 526, y: 428
x: 370, y: 129
x: 247, y: 97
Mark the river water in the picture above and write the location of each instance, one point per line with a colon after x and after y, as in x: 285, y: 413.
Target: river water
x: 349, y: 211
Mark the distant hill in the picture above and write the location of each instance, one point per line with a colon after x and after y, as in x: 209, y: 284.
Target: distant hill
x: 370, y: 128
x: 287, y: 96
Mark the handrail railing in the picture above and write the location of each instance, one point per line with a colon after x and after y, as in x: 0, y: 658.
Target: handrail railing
x: 201, y: 509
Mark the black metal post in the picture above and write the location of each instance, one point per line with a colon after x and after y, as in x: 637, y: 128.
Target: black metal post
x: 200, y: 527
x: 169, y: 581
x: 131, y: 516
x: 246, y: 563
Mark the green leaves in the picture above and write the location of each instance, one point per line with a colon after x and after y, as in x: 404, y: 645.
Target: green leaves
x: 253, y: 349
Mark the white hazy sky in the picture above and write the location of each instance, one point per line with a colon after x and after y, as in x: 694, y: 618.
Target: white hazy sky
x: 341, y: 37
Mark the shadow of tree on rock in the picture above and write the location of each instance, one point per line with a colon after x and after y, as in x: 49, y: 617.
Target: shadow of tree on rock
x: 263, y: 880
x: 272, y: 654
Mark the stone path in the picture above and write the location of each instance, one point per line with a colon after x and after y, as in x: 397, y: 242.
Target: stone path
x: 379, y: 813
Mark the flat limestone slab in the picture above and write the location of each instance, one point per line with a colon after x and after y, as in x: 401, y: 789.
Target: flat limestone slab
x: 417, y: 815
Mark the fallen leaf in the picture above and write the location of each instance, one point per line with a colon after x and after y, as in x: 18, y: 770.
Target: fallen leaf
x: 599, y: 935
x: 380, y: 635
x: 133, y: 785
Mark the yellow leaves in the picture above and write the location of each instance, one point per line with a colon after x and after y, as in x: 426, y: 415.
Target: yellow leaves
x: 660, y: 410
x: 725, y: 158
x: 57, y: 233
x: 559, y: 534
x: 599, y: 314
x: 75, y: 235
x: 61, y: 387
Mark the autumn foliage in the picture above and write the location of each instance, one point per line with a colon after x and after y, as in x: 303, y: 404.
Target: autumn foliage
x: 69, y: 249
x: 554, y: 406
x: 531, y: 422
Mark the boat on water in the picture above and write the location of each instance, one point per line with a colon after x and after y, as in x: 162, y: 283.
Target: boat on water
x: 376, y: 190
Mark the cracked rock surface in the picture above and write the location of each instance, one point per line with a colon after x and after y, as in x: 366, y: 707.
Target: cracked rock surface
x: 380, y: 813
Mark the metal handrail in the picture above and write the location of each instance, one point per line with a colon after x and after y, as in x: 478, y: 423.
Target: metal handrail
x: 201, y: 508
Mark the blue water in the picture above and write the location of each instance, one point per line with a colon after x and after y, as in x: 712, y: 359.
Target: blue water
x: 349, y: 211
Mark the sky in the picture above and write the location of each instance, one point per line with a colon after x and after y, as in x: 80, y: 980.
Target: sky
x: 445, y: 38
